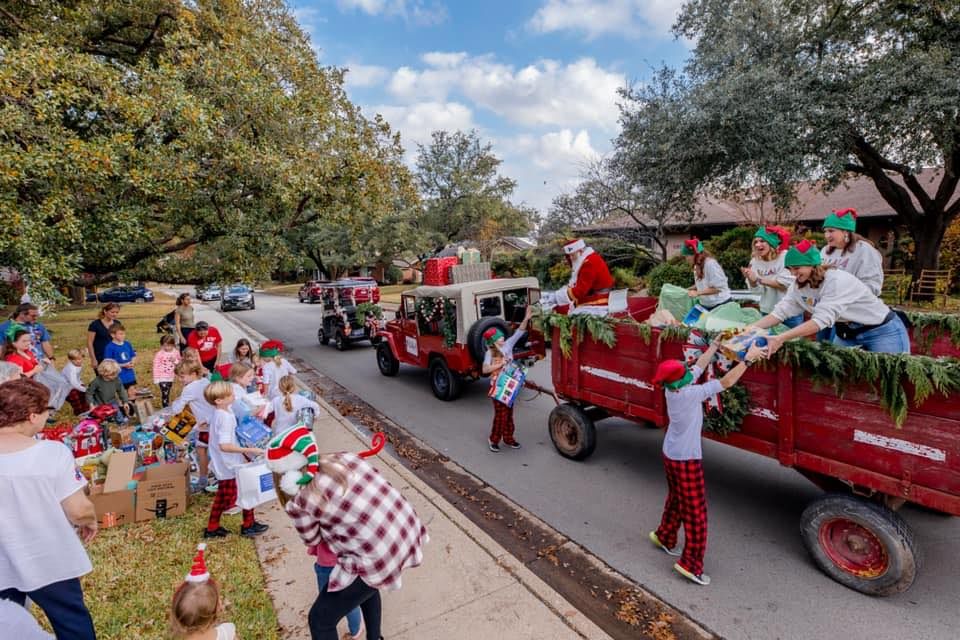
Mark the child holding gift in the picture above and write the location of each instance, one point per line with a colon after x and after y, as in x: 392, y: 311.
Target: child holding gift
x: 499, y: 353
x: 225, y: 456
x: 194, y: 383
x: 196, y: 605
x: 683, y: 458
x: 288, y: 403
x: 164, y: 367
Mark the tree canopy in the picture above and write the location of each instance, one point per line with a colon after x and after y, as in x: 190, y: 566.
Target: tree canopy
x: 778, y: 92
x: 204, y: 130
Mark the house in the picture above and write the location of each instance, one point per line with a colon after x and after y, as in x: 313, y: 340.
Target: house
x: 511, y: 244
x: 876, y: 219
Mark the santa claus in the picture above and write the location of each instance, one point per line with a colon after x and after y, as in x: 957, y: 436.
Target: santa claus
x: 590, y: 281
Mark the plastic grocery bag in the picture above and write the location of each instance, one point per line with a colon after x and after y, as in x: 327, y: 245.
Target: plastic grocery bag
x: 254, y: 485
x: 675, y: 300
x: 731, y: 316
x: 56, y: 383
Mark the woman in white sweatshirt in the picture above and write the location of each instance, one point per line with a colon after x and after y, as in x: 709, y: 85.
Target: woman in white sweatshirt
x: 848, y: 250
x: 837, y: 299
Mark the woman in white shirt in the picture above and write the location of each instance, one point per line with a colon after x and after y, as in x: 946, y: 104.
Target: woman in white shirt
x: 766, y: 273
x: 850, y: 251
x: 45, y: 517
x: 837, y: 299
x: 709, y: 280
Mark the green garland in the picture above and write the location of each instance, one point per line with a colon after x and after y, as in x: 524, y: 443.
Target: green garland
x: 430, y: 308
x: 736, y: 405
x: 601, y: 328
x: 927, y: 327
x: 365, y: 308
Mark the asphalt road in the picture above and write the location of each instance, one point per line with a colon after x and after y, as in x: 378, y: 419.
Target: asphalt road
x: 764, y: 585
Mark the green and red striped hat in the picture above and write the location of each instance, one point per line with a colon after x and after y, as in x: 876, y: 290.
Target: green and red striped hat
x: 289, y: 452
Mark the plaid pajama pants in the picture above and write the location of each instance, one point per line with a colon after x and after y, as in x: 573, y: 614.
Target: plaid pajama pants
x: 502, y: 424
x: 687, y: 505
x: 226, y: 497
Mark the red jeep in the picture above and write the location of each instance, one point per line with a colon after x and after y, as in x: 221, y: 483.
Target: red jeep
x: 311, y: 290
x: 441, y: 329
x: 362, y: 288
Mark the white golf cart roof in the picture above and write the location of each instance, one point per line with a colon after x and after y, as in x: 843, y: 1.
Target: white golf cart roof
x: 467, y: 293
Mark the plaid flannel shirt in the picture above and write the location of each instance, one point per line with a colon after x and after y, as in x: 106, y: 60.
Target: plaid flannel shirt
x: 371, y: 528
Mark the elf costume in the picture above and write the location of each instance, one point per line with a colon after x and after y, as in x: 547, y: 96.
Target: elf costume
x: 503, y: 426
x: 686, y: 501
x: 862, y: 259
x: 711, y: 276
x: 774, y: 270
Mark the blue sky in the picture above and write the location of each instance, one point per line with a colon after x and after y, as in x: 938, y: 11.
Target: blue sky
x: 536, y: 78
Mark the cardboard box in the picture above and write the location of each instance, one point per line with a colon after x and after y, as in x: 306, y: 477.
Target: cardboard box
x: 115, y: 508
x: 164, y: 492
x: 470, y: 272
x: 120, y: 436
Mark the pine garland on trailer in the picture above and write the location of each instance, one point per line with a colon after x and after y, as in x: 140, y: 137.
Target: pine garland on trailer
x: 927, y: 327
x: 365, y: 308
x: 600, y: 328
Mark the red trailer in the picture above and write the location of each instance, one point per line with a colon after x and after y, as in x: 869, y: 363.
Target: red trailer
x: 849, y: 446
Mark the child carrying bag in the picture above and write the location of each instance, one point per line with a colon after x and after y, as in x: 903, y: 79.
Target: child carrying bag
x: 254, y: 485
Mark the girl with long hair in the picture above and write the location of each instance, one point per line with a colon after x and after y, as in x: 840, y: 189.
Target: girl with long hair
x: 848, y: 250
x: 709, y: 280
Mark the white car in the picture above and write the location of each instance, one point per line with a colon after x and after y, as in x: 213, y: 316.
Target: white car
x: 210, y: 293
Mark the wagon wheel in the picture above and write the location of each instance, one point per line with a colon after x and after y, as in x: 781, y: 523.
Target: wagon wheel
x: 860, y: 544
x: 572, y: 431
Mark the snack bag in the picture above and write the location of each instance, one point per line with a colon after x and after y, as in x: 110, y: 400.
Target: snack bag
x: 737, y: 346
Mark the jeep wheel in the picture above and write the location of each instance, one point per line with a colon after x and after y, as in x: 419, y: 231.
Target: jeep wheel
x: 445, y: 384
x: 388, y: 364
x: 323, y: 337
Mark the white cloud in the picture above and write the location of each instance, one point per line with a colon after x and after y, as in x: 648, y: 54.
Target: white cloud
x: 563, y: 148
x: 631, y: 18
x: 364, y: 75
x: 413, y: 11
x: 416, y: 122
x: 545, y: 93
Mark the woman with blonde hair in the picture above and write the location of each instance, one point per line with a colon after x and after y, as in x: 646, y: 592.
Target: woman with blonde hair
x: 848, y: 250
x: 288, y: 404
x: 766, y: 273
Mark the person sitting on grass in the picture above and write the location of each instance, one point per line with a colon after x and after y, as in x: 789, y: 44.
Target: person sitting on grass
x: 196, y: 605
x: 683, y: 458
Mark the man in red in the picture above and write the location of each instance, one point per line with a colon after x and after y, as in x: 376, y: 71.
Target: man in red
x: 590, y: 282
x: 206, y: 340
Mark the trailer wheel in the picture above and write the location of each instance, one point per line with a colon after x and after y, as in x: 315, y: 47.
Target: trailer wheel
x: 572, y: 431
x: 386, y: 361
x: 445, y: 384
x: 862, y: 545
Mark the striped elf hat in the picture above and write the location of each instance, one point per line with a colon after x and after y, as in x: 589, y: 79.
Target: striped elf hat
x: 291, y: 451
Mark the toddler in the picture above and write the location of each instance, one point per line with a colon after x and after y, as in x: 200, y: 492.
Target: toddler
x: 196, y: 604
x: 71, y: 373
x: 190, y: 354
x: 164, y: 367
x: 225, y: 456
x: 122, y: 352
x: 106, y: 388
x: 288, y: 403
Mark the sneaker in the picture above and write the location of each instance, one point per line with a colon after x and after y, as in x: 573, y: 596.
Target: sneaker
x: 656, y: 542
x: 232, y: 511
x: 219, y: 532
x: 253, y: 530
x: 512, y: 445
x: 211, y: 488
x: 494, y: 447
x: 702, y: 579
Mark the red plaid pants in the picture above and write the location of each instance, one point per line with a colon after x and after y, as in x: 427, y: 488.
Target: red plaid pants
x: 687, y: 505
x: 226, y: 497
x: 502, y: 424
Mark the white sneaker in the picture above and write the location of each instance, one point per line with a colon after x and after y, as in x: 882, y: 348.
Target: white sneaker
x: 656, y: 542
x: 702, y: 579
x: 233, y: 510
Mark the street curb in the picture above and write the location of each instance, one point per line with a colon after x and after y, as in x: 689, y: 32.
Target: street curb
x: 558, y: 555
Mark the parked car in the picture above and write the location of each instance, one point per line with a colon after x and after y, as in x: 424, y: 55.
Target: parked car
x: 210, y: 293
x: 362, y: 288
x: 122, y: 294
x: 237, y: 296
x: 447, y: 337
x: 340, y: 320
x: 310, y: 291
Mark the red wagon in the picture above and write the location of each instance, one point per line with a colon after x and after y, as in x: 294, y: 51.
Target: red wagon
x: 849, y: 446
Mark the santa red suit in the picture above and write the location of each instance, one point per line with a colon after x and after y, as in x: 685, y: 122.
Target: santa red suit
x: 591, y: 282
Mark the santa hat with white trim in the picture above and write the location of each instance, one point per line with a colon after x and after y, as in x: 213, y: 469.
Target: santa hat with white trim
x: 198, y: 572
x: 291, y: 451
x: 574, y: 246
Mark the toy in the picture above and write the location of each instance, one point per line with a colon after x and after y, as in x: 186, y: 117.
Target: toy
x: 87, y: 438
x: 147, y: 444
x: 178, y: 427
x: 253, y: 432
x: 305, y: 416
x: 508, y: 384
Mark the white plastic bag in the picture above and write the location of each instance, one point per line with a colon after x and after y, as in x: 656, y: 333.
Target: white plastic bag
x: 56, y: 383
x: 254, y: 485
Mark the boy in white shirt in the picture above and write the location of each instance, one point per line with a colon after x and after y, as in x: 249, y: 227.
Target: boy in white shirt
x: 71, y: 373
x: 225, y: 456
x: 683, y: 457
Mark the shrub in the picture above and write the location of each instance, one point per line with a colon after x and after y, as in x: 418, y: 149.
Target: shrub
x: 674, y: 271
x: 624, y: 278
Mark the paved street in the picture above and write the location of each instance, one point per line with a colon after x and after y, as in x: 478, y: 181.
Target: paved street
x: 764, y: 585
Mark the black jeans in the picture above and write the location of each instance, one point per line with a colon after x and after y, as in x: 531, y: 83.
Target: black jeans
x: 64, y: 606
x: 165, y: 388
x: 330, y: 607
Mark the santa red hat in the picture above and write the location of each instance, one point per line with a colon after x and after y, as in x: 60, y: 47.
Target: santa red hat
x: 574, y: 246
x: 198, y: 572
x: 673, y: 374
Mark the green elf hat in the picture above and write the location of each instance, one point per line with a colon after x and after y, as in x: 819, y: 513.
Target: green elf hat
x: 802, y: 254
x: 491, y: 335
x: 271, y: 348
x: 692, y: 247
x: 844, y: 219
x: 12, y: 330
x: 673, y: 374
x: 770, y: 236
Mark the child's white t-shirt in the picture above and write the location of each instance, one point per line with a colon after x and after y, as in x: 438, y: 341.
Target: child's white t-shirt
x: 40, y: 546
x: 226, y: 631
x: 223, y: 430
x: 71, y: 373
x: 283, y: 419
x: 685, y: 412
x: 272, y: 372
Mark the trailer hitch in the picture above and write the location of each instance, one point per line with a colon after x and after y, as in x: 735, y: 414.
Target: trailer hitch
x: 539, y: 389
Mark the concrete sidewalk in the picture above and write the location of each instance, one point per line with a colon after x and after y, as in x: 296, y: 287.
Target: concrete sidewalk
x: 468, y: 587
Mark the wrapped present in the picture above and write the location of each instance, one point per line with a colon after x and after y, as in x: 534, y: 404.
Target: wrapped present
x: 305, y: 416
x: 253, y: 432
x: 87, y: 438
x: 148, y: 445
x: 470, y: 272
x: 506, y: 387
x: 675, y: 300
x: 59, y: 432
x: 437, y: 271
x: 736, y: 347
x: 179, y: 426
